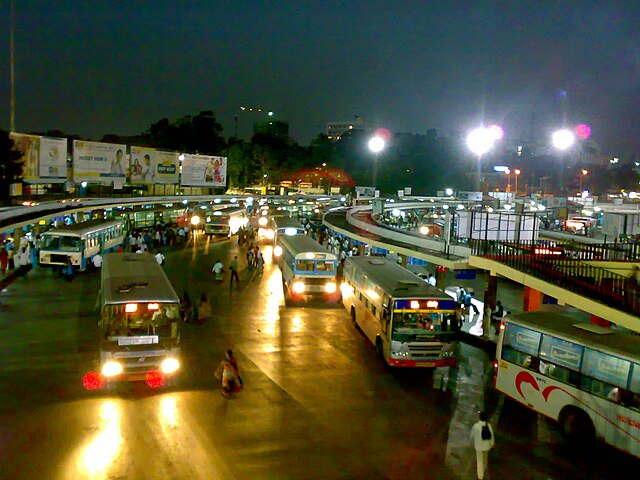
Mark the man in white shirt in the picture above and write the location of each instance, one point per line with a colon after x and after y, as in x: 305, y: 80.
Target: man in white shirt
x: 97, y: 261
x: 160, y: 258
x: 482, y: 445
x: 432, y: 280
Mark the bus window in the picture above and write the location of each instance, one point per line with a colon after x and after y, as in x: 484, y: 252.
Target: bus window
x: 324, y: 266
x: 70, y: 244
x: 304, y: 265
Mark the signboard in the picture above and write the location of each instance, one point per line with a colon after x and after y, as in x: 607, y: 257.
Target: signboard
x: 365, y: 191
x: 204, y: 171
x: 407, y: 190
x: 148, y: 165
x: 44, y: 158
x: 466, y: 274
x: 472, y: 196
x: 97, y: 162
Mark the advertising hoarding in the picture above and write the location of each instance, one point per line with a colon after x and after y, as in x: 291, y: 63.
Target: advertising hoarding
x: 204, y: 171
x: 148, y: 166
x: 97, y: 162
x: 44, y: 158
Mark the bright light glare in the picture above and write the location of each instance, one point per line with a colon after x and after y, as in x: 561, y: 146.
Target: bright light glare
x: 298, y: 287
x: 270, y: 234
x: 330, y: 287
x: 262, y: 221
x: 480, y: 140
x: 195, y: 220
x: 563, y: 139
x: 111, y: 369
x: 424, y: 230
x: 376, y: 144
x: 131, y: 307
x: 497, y: 132
x: 277, y: 251
x: 309, y: 255
x: 448, y: 192
x: 170, y: 365
x: 290, y: 231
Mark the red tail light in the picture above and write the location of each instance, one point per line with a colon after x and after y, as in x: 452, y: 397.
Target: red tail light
x: 155, y: 379
x: 92, y: 381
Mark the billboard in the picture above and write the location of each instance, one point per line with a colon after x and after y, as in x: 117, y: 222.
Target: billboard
x: 97, y: 162
x: 204, y: 171
x: 148, y: 165
x: 44, y: 158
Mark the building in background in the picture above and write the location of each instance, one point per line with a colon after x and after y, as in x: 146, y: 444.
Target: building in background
x: 336, y: 130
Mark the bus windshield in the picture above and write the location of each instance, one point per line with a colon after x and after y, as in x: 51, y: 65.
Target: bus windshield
x: 407, y: 326
x: 68, y: 244
x: 315, y: 265
x: 162, y: 321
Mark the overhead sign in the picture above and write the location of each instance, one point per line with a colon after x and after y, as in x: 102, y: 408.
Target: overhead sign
x: 204, y: 171
x: 148, y: 165
x: 97, y: 162
x: 44, y: 158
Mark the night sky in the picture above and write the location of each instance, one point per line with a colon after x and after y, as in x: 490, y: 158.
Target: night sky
x: 95, y: 67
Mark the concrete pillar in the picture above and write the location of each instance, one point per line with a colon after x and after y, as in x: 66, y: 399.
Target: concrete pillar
x: 440, y: 276
x: 532, y: 299
x: 491, y: 293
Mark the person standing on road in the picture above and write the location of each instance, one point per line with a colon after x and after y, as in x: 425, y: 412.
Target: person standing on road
x: 67, y: 270
x: 260, y: 262
x: 483, y: 440
x: 217, y: 271
x: 4, y: 260
x: 204, y: 308
x: 159, y: 258
x: 97, y: 261
x: 233, y: 266
x: 228, y: 373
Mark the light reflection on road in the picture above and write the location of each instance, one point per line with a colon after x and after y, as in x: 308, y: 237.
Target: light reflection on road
x: 100, y: 452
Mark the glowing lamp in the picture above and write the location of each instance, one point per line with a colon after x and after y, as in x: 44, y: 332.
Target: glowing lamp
x: 155, y: 379
x: 270, y: 234
x: 153, y: 306
x: 424, y: 230
x: 277, y: 251
x: 298, y: 287
x: 131, y: 307
x: 309, y: 255
x: 432, y: 304
x: 111, y: 368
x: 169, y: 365
x: 262, y: 221
x: 195, y: 220
x: 330, y: 287
x: 563, y: 139
x: 414, y: 304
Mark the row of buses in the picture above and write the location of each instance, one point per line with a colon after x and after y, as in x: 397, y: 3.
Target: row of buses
x: 585, y: 377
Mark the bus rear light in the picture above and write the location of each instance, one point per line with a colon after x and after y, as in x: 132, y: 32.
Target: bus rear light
x: 495, y: 364
x: 414, y: 304
x: 153, y: 306
x: 298, y: 287
x: 170, y: 365
x: 92, y: 381
x: 277, y: 251
x: 502, y: 326
x: 111, y: 368
x: 131, y: 307
x: 330, y: 287
x: 155, y: 379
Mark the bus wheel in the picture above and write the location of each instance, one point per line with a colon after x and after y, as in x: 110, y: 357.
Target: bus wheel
x: 576, y: 426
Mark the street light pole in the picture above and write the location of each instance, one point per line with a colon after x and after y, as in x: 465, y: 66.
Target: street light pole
x: 584, y: 173
x: 516, y: 173
x: 12, y: 74
x: 376, y: 144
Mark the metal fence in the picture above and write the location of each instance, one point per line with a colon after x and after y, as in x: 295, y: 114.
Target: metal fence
x: 565, y: 265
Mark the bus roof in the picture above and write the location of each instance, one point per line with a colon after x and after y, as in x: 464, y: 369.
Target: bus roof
x: 564, y: 326
x: 299, y: 244
x: 84, y: 228
x: 283, y: 221
x: 393, y: 279
x: 230, y: 210
x: 135, y: 277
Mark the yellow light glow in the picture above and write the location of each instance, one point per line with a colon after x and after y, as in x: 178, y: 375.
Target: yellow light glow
x: 346, y: 289
x: 373, y: 295
x: 277, y: 251
x: 298, y: 287
x: 309, y: 255
x: 170, y: 365
x: 270, y: 234
x: 415, y: 304
x: 100, y: 452
x: 111, y: 368
x: 330, y: 287
x: 424, y: 230
x: 153, y: 306
x: 432, y: 304
x: 262, y: 221
x: 195, y: 220
x: 131, y: 307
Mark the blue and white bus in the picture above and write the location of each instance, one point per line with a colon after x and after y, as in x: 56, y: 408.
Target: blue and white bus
x: 80, y: 242
x: 308, y: 269
x: 282, y: 225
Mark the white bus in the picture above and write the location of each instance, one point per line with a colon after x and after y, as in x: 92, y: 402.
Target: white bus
x: 308, y: 269
x: 226, y: 221
x: 584, y: 376
x: 283, y: 225
x: 139, y: 320
x: 411, y: 323
x: 81, y: 242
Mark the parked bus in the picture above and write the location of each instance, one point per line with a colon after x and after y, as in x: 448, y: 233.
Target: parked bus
x: 226, y: 221
x: 80, y: 242
x: 584, y: 376
x: 411, y: 323
x: 284, y: 225
x: 139, y: 320
x: 308, y: 269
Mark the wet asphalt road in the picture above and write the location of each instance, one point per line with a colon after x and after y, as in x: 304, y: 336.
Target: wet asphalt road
x: 316, y: 405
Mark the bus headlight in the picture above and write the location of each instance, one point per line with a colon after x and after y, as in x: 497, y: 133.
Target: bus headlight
x: 270, y: 234
x: 399, y: 354
x: 277, y: 251
x: 298, y: 286
x: 345, y: 288
x: 169, y: 365
x: 330, y: 287
x: 111, y: 368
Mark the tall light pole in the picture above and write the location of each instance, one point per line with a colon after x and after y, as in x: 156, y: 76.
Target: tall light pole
x: 563, y: 140
x: 584, y: 172
x: 480, y: 141
x: 13, y: 76
x: 516, y: 172
x: 376, y: 145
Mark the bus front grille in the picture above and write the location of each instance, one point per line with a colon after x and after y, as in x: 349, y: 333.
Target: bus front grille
x: 425, y: 351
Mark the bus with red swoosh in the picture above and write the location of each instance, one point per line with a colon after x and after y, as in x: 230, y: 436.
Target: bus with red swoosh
x: 584, y: 376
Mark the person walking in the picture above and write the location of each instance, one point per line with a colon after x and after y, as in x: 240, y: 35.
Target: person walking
x: 4, y: 260
x: 159, y: 258
x: 97, y: 261
x: 483, y: 440
x: 260, y: 262
x: 217, y: 271
x: 204, y: 308
x: 469, y: 305
x: 185, y: 307
x: 229, y: 374
x: 67, y: 270
x: 233, y: 266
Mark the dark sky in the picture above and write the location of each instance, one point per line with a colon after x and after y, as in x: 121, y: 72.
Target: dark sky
x: 94, y: 67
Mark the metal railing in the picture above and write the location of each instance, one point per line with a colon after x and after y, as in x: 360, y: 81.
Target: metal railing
x: 565, y: 265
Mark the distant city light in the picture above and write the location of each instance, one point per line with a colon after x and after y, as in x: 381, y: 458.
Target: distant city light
x: 583, y: 131
x: 448, y: 192
x: 562, y: 139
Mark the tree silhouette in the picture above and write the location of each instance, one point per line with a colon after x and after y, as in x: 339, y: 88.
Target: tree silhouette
x: 10, y: 166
